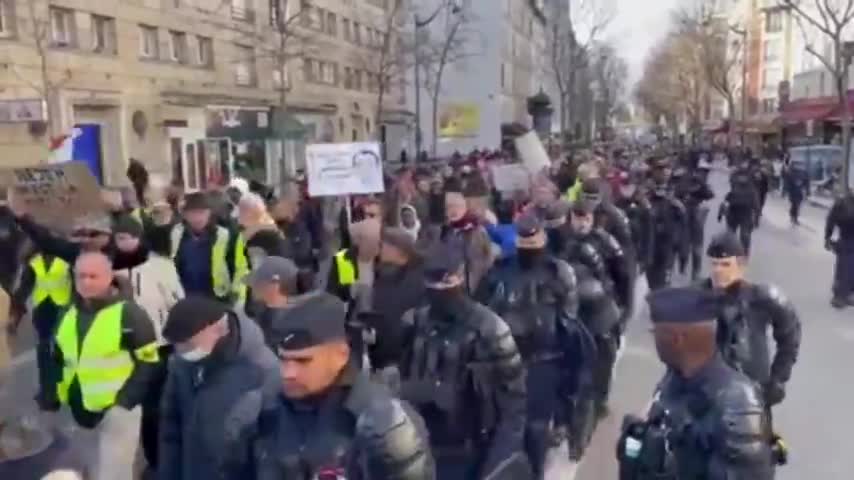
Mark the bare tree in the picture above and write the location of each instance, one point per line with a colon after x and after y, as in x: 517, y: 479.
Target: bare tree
x: 611, y: 73
x: 570, y: 37
x: 831, y: 19
x: 454, y: 45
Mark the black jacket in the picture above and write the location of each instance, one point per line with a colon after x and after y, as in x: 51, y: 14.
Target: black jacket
x: 474, y: 404
x: 718, y: 426
x: 841, y: 216
x: 356, y: 430
x: 394, y: 293
x: 210, y: 409
x: 639, y: 212
x: 137, y: 332
x: 747, y: 311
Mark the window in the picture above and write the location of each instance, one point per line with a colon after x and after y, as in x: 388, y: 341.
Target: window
x: 244, y: 66
x: 772, y: 77
x: 280, y: 79
x: 772, y: 50
x: 103, y: 34
x: 331, y: 24
x: 346, y: 26
x: 148, y: 44
x: 348, y: 78
x: 62, y: 27
x: 328, y: 73
x: 774, y: 21
x: 308, y: 69
x: 275, y: 12
x: 357, y: 33
x: 205, y: 53
x: 769, y: 105
x: 357, y: 80
x: 7, y: 18
x: 178, y: 46
x: 240, y: 10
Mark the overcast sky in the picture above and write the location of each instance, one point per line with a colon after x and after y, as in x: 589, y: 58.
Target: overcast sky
x: 639, y: 24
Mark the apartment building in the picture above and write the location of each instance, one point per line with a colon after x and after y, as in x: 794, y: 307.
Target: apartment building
x: 505, y: 63
x: 192, y: 88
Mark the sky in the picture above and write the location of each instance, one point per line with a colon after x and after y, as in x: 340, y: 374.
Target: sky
x: 638, y: 25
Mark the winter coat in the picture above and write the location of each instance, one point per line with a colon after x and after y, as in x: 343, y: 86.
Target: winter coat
x: 479, y: 255
x: 210, y: 409
x: 156, y: 288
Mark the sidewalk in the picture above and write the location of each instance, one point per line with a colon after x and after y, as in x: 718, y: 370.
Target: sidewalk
x: 821, y: 201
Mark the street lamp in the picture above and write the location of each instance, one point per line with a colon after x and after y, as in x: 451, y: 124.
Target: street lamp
x: 419, y: 24
x: 743, y: 34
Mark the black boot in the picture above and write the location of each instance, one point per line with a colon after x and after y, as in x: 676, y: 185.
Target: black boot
x: 838, y: 303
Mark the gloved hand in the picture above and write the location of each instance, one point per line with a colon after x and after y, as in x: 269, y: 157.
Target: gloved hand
x: 774, y: 393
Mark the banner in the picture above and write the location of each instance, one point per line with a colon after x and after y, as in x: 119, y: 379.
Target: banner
x: 511, y: 178
x: 459, y: 120
x: 56, y: 195
x: 334, y: 169
x: 532, y: 152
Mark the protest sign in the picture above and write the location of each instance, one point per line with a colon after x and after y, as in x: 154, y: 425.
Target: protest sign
x: 532, y: 152
x: 344, y: 169
x: 511, y: 178
x: 55, y: 195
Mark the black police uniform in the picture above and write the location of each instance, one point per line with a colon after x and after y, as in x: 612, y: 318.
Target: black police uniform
x: 693, y: 192
x: 536, y: 294
x: 639, y: 213
x: 710, y: 426
x: 668, y: 219
x: 841, y: 216
x: 741, y: 205
x: 762, y: 180
x: 746, y: 311
x: 797, y: 188
x: 355, y: 429
x: 620, y: 268
x: 610, y: 219
x: 463, y: 373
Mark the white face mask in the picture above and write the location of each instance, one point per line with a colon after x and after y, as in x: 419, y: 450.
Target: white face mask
x: 194, y: 355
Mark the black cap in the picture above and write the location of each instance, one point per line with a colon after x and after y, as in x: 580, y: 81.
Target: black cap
x: 583, y: 207
x: 315, y: 319
x: 445, y: 258
x: 684, y: 305
x: 197, y: 201
x: 190, y: 316
x: 129, y: 225
x: 725, y: 245
x: 528, y: 225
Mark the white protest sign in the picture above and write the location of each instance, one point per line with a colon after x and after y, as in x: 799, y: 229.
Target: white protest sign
x: 532, y: 152
x: 344, y: 169
x: 511, y: 178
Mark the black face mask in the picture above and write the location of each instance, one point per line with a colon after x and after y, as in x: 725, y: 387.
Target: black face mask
x: 529, y: 257
x: 445, y: 302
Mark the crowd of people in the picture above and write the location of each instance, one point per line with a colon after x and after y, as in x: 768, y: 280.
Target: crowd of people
x: 442, y: 329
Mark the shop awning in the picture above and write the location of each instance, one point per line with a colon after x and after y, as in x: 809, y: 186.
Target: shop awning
x: 804, y: 110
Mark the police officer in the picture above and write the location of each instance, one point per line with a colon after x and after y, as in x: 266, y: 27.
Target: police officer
x: 798, y: 188
x: 762, y: 173
x: 632, y: 200
x: 608, y: 217
x: 707, y: 421
x: 536, y: 294
x: 693, y: 191
x: 747, y: 310
x: 331, y: 421
x: 841, y: 216
x: 462, y: 371
x: 46, y: 282
x: 669, y: 218
x: 741, y: 204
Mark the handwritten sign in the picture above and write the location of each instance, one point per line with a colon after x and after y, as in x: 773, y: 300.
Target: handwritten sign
x: 511, y: 178
x: 55, y: 195
x: 532, y: 152
x: 344, y: 169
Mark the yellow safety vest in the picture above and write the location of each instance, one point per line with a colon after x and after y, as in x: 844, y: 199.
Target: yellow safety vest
x: 346, y: 268
x: 573, y: 193
x: 54, y: 283
x: 220, y: 276
x: 100, y: 365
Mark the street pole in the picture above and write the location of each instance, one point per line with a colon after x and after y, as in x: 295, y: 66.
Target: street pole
x: 744, y: 89
x: 848, y: 53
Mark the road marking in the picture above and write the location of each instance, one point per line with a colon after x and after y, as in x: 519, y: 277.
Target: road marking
x: 23, y: 359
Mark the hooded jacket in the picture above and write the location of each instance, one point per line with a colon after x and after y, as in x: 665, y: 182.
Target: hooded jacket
x: 210, y: 409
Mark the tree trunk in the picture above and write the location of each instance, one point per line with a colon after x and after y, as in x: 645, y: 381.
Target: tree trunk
x: 846, y: 138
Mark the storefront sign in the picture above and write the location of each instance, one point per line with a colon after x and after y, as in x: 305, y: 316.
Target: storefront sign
x: 21, y: 111
x: 344, y: 169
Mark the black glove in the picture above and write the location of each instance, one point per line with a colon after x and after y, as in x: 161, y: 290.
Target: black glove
x: 774, y: 393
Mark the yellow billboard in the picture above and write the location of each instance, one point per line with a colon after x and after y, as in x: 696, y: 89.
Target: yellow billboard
x: 459, y: 120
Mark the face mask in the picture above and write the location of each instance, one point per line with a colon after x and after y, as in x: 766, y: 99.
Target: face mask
x: 444, y: 301
x: 194, y: 355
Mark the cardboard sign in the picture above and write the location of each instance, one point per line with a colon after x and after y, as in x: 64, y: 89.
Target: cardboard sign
x: 56, y: 195
x: 344, y: 169
x: 532, y: 152
x: 511, y: 178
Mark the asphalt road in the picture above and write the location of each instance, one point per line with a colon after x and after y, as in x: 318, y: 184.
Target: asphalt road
x: 815, y: 418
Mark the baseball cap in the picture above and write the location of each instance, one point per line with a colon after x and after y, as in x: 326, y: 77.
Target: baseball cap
x: 315, y: 319
x: 272, y: 269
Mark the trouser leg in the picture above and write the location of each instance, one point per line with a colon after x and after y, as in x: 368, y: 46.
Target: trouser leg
x: 118, y: 440
x: 607, y: 355
x: 543, y: 382
x: 149, y: 430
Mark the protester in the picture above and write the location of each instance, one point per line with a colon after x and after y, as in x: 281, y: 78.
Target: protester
x: 273, y: 282
x: 260, y: 232
x: 351, y: 277
x: 220, y: 381
x: 409, y: 221
x: 465, y: 225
